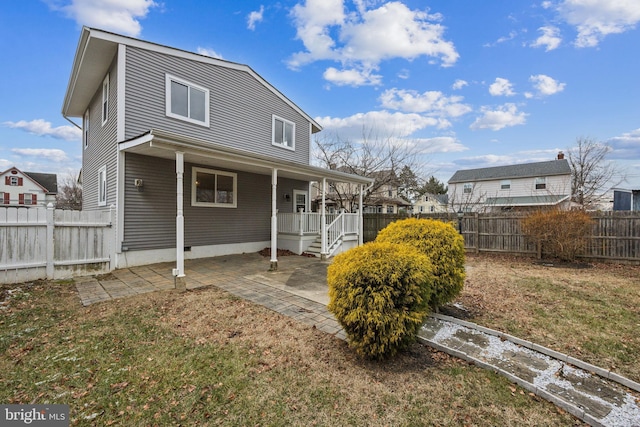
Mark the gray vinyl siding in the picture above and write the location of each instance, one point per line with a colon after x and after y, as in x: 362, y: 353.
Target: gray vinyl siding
x: 241, y: 107
x: 150, y: 215
x: 102, y: 147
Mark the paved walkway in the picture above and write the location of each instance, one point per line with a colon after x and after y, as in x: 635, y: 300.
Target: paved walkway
x: 298, y: 289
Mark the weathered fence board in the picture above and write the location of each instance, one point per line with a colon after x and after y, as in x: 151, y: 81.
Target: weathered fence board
x: 38, y: 243
x: 615, y: 235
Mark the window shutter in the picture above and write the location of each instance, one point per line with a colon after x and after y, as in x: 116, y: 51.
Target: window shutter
x: 6, y: 198
x: 7, y: 180
x: 34, y: 199
x: 21, y: 199
x: 19, y: 181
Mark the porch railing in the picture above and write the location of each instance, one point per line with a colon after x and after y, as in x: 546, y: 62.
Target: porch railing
x: 309, y: 223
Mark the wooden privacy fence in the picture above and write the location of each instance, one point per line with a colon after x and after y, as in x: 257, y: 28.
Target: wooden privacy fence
x: 37, y: 243
x: 615, y: 236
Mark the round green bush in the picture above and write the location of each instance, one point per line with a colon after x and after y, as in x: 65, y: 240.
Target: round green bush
x: 379, y: 293
x: 442, y: 244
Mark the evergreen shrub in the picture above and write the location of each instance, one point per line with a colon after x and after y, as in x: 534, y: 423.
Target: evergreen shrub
x: 442, y: 244
x: 379, y: 293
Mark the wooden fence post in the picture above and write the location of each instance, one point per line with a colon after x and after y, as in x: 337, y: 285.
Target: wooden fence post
x: 477, y: 231
x: 50, y: 269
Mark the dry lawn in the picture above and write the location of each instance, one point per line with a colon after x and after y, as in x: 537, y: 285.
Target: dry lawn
x: 589, y: 311
x: 207, y: 358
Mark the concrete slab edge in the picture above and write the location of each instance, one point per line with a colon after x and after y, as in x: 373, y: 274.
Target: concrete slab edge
x: 626, y: 382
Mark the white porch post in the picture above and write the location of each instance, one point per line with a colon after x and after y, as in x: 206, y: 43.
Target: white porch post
x: 323, y: 223
x: 274, y: 220
x: 178, y: 272
x: 360, y: 218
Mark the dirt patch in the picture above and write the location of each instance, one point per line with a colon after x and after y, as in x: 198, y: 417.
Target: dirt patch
x: 266, y: 252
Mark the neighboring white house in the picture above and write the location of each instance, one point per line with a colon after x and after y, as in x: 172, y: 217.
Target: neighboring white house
x: 430, y: 203
x: 28, y: 189
x: 512, y: 187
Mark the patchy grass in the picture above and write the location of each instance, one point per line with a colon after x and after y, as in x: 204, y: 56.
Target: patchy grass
x: 590, y: 313
x: 207, y: 358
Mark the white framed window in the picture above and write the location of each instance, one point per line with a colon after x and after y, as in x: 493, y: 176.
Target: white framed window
x: 541, y: 183
x: 28, y: 198
x: 187, y: 101
x: 102, y: 186
x: 467, y: 188
x: 85, y: 129
x: 283, y: 133
x: 213, y: 188
x: 14, y: 181
x: 505, y: 184
x: 105, y: 99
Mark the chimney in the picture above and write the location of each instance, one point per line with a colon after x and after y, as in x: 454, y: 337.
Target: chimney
x: 560, y: 155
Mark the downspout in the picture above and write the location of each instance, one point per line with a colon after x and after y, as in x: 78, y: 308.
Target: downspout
x: 274, y: 220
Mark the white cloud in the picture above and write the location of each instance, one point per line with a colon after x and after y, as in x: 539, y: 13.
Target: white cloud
x: 626, y: 146
x: 363, y: 38
x: 440, y: 144
x: 503, y: 39
x: 546, y: 85
x: 432, y: 103
x: 487, y: 160
x: 596, y: 19
x: 51, y: 154
x: 352, y: 77
x: 41, y: 127
x: 550, y: 38
x: 254, y: 17
x: 459, y: 84
x: 504, y: 116
x: 395, y: 124
x: 121, y: 16
x: 209, y: 52
x: 501, y: 87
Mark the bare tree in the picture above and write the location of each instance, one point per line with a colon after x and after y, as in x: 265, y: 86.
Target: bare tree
x: 591, y: 172
x: 389, y: 160
x: 69, y: 193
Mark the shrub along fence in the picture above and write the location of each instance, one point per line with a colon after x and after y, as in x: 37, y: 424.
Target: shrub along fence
x: 615, y: 236
x: 38, y: 243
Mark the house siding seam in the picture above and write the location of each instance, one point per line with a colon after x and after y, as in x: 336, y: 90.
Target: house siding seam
x: 150, y: 214
x: 102, y: 147
x: 232, y: 123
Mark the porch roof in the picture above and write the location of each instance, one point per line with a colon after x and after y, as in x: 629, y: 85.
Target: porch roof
x: 159, y: 143
x: 545, y: 200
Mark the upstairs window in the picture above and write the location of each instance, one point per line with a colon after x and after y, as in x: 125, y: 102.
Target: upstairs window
x: 105, y: 99
x: 541, y: 183
x: 213, y: 188
x: 186, y: 101
x: 505, y: 184
x: 283, y: 133
x: 14, y: 181
x: 467, y: 188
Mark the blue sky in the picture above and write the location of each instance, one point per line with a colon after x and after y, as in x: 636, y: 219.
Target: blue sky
x: 469, y: 83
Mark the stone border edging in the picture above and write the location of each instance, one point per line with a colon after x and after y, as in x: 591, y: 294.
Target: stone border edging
x: 546, y: 351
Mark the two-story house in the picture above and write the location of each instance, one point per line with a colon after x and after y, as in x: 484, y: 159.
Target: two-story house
x: 512, y: 187
x: 430, y: 203
x: 27, y: 189
x: 198, y: 156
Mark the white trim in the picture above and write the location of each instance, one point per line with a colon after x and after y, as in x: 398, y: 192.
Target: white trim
x: 285, y: 122
x: 121, y: 90
x: 104, y: 105
x: 215, y: 172
x: 153, y: 256
x: 102, y: 186
x: 168, y: 79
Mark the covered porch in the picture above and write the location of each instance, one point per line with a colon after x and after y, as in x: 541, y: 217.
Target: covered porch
x: 295, y: 231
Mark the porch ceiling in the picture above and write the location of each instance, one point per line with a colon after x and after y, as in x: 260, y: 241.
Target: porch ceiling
x: 156, y: 143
